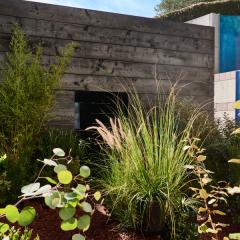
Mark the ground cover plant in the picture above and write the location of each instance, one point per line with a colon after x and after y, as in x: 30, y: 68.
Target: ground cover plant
x: 26, y: 96
x: 16, y: 234
x: 65, y: 192
x: 143, y: 177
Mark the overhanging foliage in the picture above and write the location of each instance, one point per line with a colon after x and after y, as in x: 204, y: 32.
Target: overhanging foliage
x: 224, y: 7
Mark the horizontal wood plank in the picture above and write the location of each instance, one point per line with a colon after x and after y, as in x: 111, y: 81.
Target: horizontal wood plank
x: 118, y: 52
x: 120, y: 69
x: 78, y: 33
x: 96, y: 18
x: 111, y: 84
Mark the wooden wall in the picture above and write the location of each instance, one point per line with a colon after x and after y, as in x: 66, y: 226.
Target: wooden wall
x: 115, y: 49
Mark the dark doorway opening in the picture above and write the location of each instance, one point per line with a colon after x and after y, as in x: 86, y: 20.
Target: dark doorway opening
x: 90, y: 106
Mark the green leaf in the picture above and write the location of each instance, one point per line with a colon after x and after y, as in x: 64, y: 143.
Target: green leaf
x: 203, y: 194
x: 202, y: 229
x: 70, y: 196
x: 65, y: 177
x: 30, y: 188
x: 80, y: 190
x: 84, y: 222
x: 73, y: 202
x: 59, y: 152
x: 219, y: 212
x: 69, y: 225
x: 49, y: 162
x: 85, y: 171
x: 4, y: 227
x: 12, y: 213
x: 67, y: 213
x: 234, y: 236
x: 59, y: 168
x: 201, y: 209
x: 3, y: 158
x: 97, y: 196
x: 78, y: 237
x: 54, y: 200
x: 26, y: 216
x: 43, y: 190
x: 86, y: 207
x: 51, y: 180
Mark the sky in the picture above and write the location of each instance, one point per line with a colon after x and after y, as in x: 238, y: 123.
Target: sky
x: 144, y: 8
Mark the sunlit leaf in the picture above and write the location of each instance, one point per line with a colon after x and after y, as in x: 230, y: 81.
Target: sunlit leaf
x: 26, y: 216
x: 59, y: 152
x: 203, y: 194
x: 43, y: 190
x: 201, y: 158
x: 211, y: 201
x: 236, y: 131
x: 4, y: 227
x: 234, y: 190
x: 3, y: 158
x: 69, y: 225
x: 234, y: 161
x: 59, y: 168
x: 97, y: 195
x: 202, y: 229
x: 51, y: 180
x: 49, y: 162
x: 234, y: 236
x: 219, y: 212
x: 31, y: 188
x: 201, y: 209
x: 85, y: 171
x: 65, y: 177
x: 12, y: 213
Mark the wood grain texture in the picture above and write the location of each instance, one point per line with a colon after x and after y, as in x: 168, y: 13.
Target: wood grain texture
x: 116, y: 52
x: 35, y: 10
x: 74, y: 32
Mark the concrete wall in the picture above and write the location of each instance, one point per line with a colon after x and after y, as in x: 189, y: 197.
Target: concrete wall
x: 224, y: 94
x: 212, y: 20
x: 114, y: 49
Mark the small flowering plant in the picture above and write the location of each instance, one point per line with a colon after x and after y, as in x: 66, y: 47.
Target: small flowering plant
x: 65, y: 192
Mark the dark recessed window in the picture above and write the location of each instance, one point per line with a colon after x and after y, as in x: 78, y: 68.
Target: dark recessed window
x: 90, y: 106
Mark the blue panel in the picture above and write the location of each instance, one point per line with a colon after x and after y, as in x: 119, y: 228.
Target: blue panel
x: 229, y: 43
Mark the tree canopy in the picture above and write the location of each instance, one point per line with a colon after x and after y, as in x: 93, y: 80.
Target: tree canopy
x: 166, y: 6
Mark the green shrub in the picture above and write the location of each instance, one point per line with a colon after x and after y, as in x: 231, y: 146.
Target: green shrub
x: 143, y: 175
x: 26, y: 96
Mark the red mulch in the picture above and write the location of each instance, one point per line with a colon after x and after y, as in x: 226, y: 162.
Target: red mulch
x: 47, y: 226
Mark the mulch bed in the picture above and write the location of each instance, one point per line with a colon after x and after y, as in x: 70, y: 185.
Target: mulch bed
x: 47, y: 226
